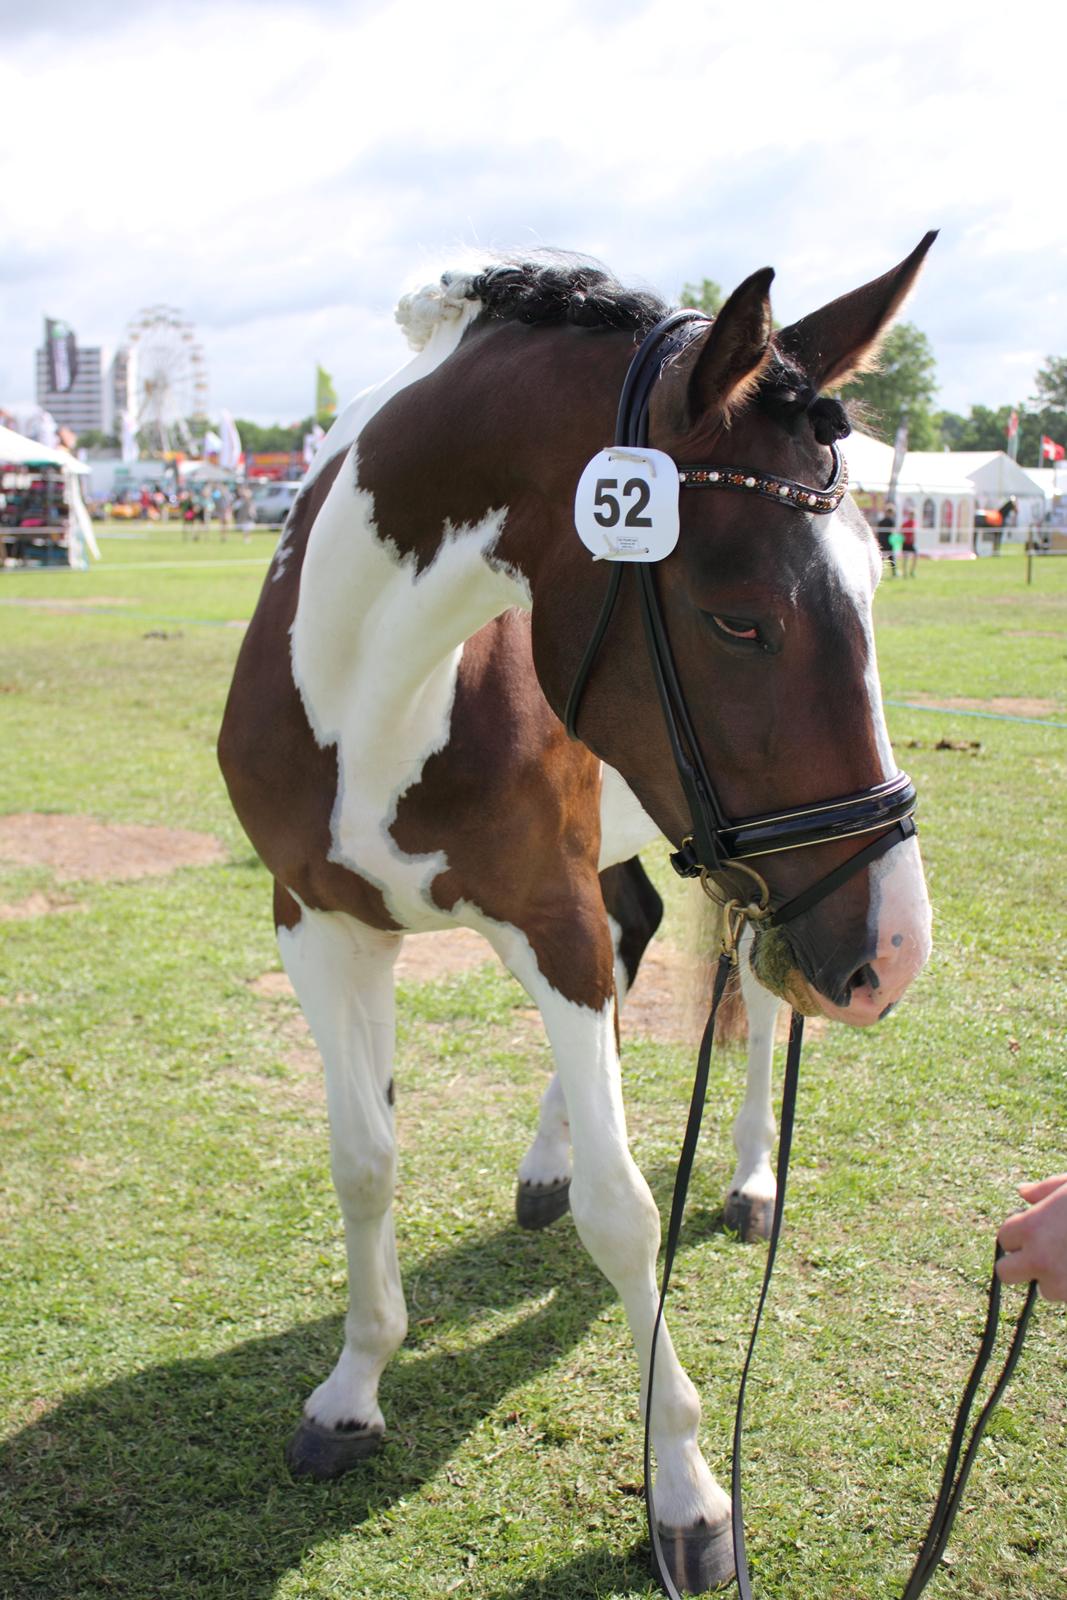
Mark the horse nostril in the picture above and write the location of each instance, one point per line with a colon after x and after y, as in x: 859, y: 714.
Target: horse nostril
x: 863, y: 977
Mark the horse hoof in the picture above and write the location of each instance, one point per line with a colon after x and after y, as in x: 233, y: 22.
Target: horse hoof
x: 700, y: 1558
x: 325, y: 1453
x: 749, y: 1217
x: 538, y: 1205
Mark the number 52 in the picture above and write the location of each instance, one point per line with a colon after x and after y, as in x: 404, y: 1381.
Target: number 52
x: 608, y: 508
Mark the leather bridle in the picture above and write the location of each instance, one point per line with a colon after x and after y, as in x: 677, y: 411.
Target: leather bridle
x: 718, y: 848
x: 715, y: 843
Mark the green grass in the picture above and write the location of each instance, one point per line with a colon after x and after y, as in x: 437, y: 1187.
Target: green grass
x: 171, y: 1278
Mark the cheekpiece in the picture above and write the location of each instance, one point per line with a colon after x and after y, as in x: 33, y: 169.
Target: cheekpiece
x: 819, y: 501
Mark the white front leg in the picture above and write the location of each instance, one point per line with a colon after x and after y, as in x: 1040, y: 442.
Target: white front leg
x: 750, y: 1203
x: 342, y: 972
x: 619, y: 1224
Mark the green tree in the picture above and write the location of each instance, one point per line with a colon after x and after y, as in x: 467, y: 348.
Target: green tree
x: 904, y: 382
x: 1050, y: 385
x: 706, y: 296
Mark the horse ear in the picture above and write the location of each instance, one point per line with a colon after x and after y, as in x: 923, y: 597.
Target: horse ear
x: 718, y: 370
x: 842, y: 340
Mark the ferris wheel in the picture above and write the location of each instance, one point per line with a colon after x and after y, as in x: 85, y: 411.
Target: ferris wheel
x: 167, y: 375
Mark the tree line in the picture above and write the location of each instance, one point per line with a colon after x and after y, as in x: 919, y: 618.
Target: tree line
x: 906, y: 382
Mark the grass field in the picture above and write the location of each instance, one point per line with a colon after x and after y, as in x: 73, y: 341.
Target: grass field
x: 171, y: 1277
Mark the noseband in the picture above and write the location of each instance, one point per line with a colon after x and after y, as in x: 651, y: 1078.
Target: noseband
x: 717, y: 846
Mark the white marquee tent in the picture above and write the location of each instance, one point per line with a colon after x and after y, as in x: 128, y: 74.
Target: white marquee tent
x: 16, y: 451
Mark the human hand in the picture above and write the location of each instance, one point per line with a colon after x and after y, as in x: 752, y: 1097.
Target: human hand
x: 1035, y: 1241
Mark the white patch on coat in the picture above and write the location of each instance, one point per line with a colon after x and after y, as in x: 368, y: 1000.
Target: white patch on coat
x: 901, y: 930
x: 376, y: 648
x: 625, y: 827
x: 859, y: 566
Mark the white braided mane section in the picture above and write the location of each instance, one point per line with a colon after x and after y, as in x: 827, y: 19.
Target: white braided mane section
x: 422, y: 311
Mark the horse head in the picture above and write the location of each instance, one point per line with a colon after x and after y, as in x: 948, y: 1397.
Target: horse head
x: 768, y: 608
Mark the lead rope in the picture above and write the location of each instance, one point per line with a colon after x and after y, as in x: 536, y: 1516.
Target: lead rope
x: 955, y: 1475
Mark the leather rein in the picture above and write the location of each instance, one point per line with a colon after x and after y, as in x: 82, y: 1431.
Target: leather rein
x: 717, y: 847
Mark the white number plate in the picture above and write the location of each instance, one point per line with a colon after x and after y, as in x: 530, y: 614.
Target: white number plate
x: 626, y: 505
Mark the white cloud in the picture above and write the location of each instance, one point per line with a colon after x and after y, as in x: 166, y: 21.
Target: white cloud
x: 276, y: 169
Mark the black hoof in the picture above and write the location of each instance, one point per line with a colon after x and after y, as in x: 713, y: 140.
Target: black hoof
x: 700, y: 1558
x: 750, y: 1219
x: 538, y: 1205
x: 324, y: 1453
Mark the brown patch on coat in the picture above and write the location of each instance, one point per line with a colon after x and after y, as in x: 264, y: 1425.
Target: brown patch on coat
x: 79, y: 848
x: 523, y: 807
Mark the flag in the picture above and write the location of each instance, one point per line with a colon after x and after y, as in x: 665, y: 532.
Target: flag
x: 1012, y: 431
x: 230, y: 453
x: 900, y: 450
x: 128, y: 435
x: 62, y: 348
x: 325, y: 394
x: 312, y: 439
x: 1050, y: 450
x: 211, y: 444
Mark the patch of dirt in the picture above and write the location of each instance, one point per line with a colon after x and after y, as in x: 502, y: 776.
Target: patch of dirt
x: 77, y: 849
x: 1007, y: 705
x: 38, y: 905
x: 54, y: 603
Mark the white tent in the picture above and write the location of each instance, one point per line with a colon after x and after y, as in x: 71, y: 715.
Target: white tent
x: 18, y: 451
x: 934, y: 494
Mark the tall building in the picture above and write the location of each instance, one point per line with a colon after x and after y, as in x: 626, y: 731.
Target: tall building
x: 102, y: 388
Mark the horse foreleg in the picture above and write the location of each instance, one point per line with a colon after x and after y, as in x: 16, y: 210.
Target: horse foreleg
x: 619, y: 1224
x: 635, y: 911
x: 343, y: 976
x: 750, y: 1202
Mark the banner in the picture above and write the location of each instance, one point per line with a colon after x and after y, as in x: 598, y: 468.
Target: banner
x: 62, y: 348
x: 128, y: 436
x: 325, y: 394
x: 900, y: 450
x: 1013, y: 436
x: 230, y: 454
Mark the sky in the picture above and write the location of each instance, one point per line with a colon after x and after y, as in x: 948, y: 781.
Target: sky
x: 282, y: 172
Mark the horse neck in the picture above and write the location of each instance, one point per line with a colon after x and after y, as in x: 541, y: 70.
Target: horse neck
x: 388, y: 596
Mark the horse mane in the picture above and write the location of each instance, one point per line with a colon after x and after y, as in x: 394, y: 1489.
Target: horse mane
x: 555, y: 287
x: 547, y: 287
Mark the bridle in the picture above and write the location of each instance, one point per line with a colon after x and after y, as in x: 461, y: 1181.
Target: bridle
x: 718, y: 848
x: 715, y: 844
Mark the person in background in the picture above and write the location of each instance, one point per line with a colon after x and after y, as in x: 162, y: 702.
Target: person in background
x: 1035, y: 1241
x: 246, y: 511
x: 886, y: 524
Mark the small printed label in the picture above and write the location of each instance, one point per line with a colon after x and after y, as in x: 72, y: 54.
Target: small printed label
x: 626, y: 506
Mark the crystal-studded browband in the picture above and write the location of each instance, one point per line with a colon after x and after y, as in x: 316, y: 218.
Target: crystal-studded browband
x: 784, y: 490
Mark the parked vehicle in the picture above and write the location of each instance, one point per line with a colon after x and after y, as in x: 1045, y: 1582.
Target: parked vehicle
x: 272, y: 500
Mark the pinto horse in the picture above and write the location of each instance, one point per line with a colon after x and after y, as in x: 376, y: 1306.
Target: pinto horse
x: 394, y: 744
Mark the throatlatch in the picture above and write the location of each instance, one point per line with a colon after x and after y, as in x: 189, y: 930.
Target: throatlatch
x: 720, y: 851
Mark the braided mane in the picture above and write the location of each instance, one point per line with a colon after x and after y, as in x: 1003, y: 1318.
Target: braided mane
x: 553, y: 287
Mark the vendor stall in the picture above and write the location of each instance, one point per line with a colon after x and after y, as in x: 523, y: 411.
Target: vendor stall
x: 43, y: 520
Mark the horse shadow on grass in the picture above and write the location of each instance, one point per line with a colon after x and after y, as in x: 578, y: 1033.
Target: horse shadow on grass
x: 170, y: 1482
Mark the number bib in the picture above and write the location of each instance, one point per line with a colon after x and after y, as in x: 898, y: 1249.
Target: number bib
x: 626, y: 505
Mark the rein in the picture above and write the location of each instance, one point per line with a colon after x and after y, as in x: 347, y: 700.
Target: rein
x: 718, y: 846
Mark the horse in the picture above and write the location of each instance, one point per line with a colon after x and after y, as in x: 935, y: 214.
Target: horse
x: 395, y: 744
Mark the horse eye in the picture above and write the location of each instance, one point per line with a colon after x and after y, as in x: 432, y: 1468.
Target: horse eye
x: 736, y: 628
